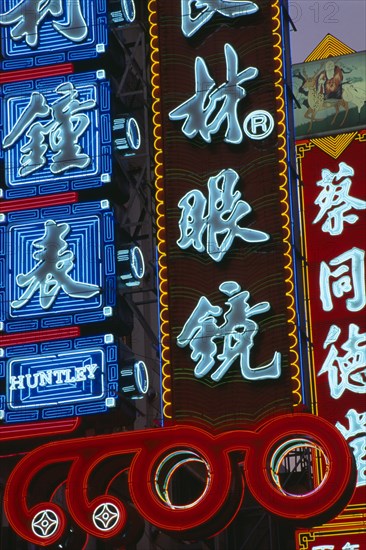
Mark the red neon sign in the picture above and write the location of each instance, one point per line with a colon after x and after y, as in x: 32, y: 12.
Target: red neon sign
x: 105, y: 516
x: 343, y: 538
x: 334, y: 229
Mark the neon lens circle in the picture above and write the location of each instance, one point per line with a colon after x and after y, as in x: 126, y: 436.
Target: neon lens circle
x: 287, y: 465
x: 168, y: 471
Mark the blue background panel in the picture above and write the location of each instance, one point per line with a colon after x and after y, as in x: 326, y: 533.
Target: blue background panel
x: 90, y: 240
x: 63, y: 386
x: 95, y: 141
x: 53, y: 47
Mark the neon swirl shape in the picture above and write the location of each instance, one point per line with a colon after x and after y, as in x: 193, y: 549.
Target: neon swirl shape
x: 231, y: 458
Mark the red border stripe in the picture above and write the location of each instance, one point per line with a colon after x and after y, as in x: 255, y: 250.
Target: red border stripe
x: 32, y: 74
x: 38, y: 202
x: 38, y: 336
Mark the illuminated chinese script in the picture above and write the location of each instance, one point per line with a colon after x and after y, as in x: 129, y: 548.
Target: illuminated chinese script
x: 335, y: 227
x: 237, y: 332
x: 195, y: 13
x: 347, y: 370
x: 347, y: 546
x: 26, y: 17
x: 334, y: 200
x: 51, y: 273
x: 348, y: 276
x: 356, y: 436
x: 64, y: 125
x: 212, y: 106
x: 218, y: 217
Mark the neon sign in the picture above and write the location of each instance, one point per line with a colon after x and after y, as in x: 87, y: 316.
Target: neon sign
x: 75, y: 30
x: 193, y: 21
x: 127, y: 135
x: 238, y: 331
x: 51, y: 273
x: 354, y: 433
x: 347, y: 546
x: 135, y: 380
x: 218, y: 217
x: 59, y: 378
x: 125, y: 14
x: 345, y: 371
x: 205, y: 113
x: 348, y: 276
x: 25, y: 18
x: 56, y: 135
x: 156, y: 455
x: 344, y: 537
x: 63, y: 268
x: 334, y: 200
x: 49, y: 377
x: 131, y: 265
x: 335, y: 280
x: 222, y: 236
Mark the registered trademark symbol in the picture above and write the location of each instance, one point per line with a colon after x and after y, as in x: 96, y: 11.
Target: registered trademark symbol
x: 258, y: 124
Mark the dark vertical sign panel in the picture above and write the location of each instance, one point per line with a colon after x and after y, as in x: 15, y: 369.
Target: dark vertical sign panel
x: 196, y: 158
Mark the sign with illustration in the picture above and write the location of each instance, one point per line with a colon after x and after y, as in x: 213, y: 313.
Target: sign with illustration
x: 330, y: 95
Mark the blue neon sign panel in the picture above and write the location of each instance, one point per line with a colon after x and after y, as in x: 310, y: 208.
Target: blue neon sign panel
x: 56, y: 134
x: 58, y: 378
x: 36, y: 33
x: 59, y: 266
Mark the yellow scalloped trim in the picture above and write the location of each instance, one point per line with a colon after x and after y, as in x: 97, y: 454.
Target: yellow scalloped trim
x: 294, y: 356
x: 160, y: 213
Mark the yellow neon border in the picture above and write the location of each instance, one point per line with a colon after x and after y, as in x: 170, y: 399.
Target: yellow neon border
x: 303, y: 538
x: 301, y: 149
x: 160, y: 212
x: 282, y: 149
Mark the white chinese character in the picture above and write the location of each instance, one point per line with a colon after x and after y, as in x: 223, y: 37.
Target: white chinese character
x: 347, y: 546
x: 237, y: 333
x: 334, y: 200
x: 64, y: 129
x: 195, y: 13
x: 27, y: 15
x: 357, y: 430
x: 220, y: 222
x: 51, y: 273
x: 346, y: 280
x: 347, y: 371
x: 211, y: 106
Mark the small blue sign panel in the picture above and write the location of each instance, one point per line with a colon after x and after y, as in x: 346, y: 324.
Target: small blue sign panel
x: 58, y: 266
x: 36, y: 33
x: 55, y: 134
x: 58, y: 378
